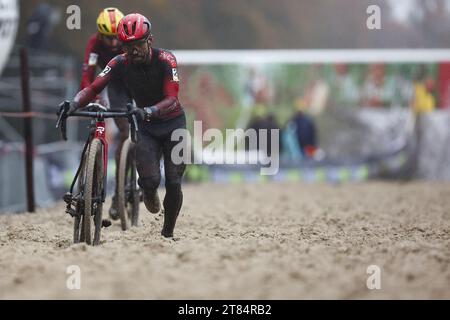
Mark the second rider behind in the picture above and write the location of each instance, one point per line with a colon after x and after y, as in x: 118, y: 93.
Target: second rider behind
x: 101, y: 48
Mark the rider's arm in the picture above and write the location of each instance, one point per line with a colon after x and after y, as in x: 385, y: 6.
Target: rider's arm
x: 90, y: 63
x: 90, y: 92
x: 170, y: 86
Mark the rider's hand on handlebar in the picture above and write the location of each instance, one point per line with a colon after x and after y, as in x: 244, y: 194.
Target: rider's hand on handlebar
x: 99, y: 99
x: 73, y: 107
x: 141, y: 113
x: 150, y: 112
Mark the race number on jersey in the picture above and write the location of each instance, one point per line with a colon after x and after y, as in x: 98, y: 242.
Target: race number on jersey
x: 175, y: 75
x: 93, y: 57
x: 105, y: 71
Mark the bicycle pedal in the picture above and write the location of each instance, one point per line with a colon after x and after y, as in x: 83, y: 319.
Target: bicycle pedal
x: 67, y: 198
x: 71, y: 211
x: 106, y: 223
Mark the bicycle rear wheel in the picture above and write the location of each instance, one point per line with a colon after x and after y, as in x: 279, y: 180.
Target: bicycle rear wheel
x: 127, y: 191
x: 93, y: 190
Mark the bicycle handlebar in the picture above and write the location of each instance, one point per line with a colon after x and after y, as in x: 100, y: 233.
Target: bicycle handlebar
x: 98, y: 114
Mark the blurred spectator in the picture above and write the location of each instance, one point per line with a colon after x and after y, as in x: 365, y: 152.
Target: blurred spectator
x: 262, y: 119
x: 423, y: 98
x: 290, y: 145
x: 257, y: 89
x: 40, y: 25
x: 344, y: 89
x: 303, y: 128
x: 317, y: 91
x: 377, y: 91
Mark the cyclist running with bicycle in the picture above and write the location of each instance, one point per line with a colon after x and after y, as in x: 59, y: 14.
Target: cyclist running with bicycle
x: 151, y: 76
x: 101, y: 48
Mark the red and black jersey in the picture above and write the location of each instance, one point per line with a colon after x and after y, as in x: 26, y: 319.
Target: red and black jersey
x: 96, y: 54
x: 154, y: 83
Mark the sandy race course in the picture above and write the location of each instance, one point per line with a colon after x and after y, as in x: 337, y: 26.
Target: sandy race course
x: 261, y: 241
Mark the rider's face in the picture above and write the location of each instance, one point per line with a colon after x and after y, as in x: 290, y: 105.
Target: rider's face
x: 137, y: 51
x: 111, y: 42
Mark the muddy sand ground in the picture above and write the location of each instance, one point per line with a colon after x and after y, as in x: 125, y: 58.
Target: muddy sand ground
x: 259, y: 241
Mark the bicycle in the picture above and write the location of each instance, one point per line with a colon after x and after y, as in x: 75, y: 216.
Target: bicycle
x: 86, y: 205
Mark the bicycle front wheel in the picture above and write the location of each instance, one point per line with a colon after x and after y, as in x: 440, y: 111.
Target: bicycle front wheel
x: 78, y: 235
x: 93, y: 191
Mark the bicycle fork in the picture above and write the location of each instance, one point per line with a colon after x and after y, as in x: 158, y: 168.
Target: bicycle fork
x: 77, y: 200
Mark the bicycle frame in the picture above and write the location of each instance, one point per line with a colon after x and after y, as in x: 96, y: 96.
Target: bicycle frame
x: 98, y: 133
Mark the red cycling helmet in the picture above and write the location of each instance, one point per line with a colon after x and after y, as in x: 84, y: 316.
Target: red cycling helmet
x: 134, y: 27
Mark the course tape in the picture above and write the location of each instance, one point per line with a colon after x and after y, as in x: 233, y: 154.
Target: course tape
x: 31, y: 114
